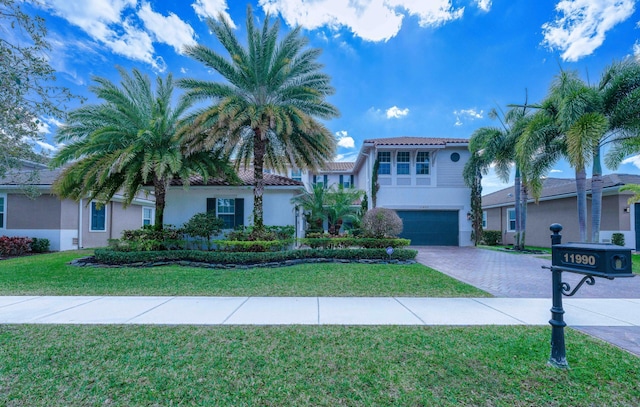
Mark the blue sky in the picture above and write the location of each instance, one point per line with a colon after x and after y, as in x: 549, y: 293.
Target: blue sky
x: 430, y: 68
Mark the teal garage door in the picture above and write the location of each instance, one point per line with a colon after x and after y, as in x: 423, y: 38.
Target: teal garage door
x: 430, y: 228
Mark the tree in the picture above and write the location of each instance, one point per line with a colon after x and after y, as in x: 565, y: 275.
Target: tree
x: 313, y: 203
x: 27, y: 84
x: 128, y: 141
x: 496, y: 146
x: 265, y: 114
x: 340, y: 203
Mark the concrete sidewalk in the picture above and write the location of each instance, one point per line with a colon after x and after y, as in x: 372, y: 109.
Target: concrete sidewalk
x: 313, y: 311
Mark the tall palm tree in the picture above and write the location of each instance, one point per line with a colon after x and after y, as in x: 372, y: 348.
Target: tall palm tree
x: 496, y: 146
x: 265, y: 112
x: 128, y: 141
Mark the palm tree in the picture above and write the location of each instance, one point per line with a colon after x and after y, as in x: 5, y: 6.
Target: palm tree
x: 313, y: 203
x: 266, y: 111
x: 128, y: 141
x: 340, y: 207
x: 496, y: 146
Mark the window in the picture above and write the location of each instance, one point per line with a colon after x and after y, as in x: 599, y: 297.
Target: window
x: 227, y: 212
x: 147, y: 216
x: 346, y: 181
x: 422, y: 163
x: 230, y: 210
x: 296, y: 175
x: 3, y: 211
x: 402, y: 166
x: 384, y: 163
x: 320, y: 180
x: 98, y: 217
x: 511, y: 215
x: 484, y: 219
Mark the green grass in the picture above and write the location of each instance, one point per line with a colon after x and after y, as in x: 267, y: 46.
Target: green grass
x: 50, y: 274
x: 635, y: 263
x: 44, y: 365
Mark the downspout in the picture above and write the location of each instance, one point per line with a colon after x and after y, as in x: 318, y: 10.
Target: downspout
x: 80, y: 224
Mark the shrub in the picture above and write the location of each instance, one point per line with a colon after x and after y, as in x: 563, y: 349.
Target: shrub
x: 269, y: 233
x: 491, y: 237
x: 254, y: 245
x: 381, y: 222
x: 149, y: 239
x: 108, y: 256
x: 343, y: 242
x: 40, y: 245
x: 203, y: 225
x: 617, y: 239
x: 14, y: 246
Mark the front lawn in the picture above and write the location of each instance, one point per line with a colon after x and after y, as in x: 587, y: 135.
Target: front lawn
x: 44, y: 365
x: 49, y: 274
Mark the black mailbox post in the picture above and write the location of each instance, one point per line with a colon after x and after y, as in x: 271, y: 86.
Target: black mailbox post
x: 591, y: 259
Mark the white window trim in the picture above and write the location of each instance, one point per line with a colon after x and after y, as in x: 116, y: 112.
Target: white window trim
x: 398, y: 162
x: 4, y: 212
x: 225, y: 214
x: 509, y: 212
x: 484, y: 219
x: 429, y: 164
x: 106, y: 218
x: 153, y: 215
x: 390, y: 163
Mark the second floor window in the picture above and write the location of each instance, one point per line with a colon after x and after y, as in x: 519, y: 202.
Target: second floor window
x: 296, y: 175
x: 402, y: 166
x: 422, y: 163
x: 384, y: 163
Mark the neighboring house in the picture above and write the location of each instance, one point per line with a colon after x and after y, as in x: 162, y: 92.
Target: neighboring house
x: 421, y: 178
x: 28, y: 208
x: 234, y: 203
x: 558, y: 204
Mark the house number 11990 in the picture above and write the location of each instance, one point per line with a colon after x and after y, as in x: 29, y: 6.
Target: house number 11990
x: 576, y: 258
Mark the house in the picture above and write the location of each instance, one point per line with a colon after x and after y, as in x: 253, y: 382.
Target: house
x: 558, y: 204
x: 234, y: 202
x: 419, y: 177
x: 28, y: 208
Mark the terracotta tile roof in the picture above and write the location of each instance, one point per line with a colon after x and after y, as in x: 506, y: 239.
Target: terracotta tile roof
x: 420, y: 141
x: 338, y: 166
x: 246, y: 178
x: 556, y: 187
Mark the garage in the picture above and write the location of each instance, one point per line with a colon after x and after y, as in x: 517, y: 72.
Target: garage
x: 430, y: 228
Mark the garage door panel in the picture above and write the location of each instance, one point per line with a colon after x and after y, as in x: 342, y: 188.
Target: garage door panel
x: 430, y: 228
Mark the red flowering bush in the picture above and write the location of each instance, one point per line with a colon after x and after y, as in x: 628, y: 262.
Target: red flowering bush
x: 14, y: 246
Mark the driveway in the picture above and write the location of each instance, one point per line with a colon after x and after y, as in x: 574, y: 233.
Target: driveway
x: 514, y: 275
x: 506, y: 274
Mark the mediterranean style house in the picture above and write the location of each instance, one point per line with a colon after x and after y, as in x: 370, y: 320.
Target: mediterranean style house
x: 67, y: 224
x: 419, y: 177
x: 558, y: 204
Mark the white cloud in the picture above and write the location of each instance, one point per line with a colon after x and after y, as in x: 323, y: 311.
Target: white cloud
x: 395, y: 112
x: 634, y: 160
x: 371, y: 20
x: 48, y: 147
x: 555, y: 171
x: 344, y: 140
x: 468, y: 114
x: 170, y: 30
x: 581, y: 25
x: 212, y: 8
x: 350, y: 157
x: 636, y: 51
x: 484, y: 5
x: 183, y: 70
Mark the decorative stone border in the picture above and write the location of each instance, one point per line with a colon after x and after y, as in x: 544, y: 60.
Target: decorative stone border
x: 91, y: 262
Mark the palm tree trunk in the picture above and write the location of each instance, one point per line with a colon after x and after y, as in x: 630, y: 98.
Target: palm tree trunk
x: 523, y: 215
x: 259, y: 147
x: 596, y: 196
x: 160, y: 190
x: 516, y: 187
x: 581, y: 191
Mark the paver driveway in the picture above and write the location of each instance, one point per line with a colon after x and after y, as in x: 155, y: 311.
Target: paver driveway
x: 514, y: 275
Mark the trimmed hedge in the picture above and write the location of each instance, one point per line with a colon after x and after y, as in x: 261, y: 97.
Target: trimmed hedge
x: 253, y: 246
x: 491, y: 237
x: 108, y: 256
x: 343, y: 242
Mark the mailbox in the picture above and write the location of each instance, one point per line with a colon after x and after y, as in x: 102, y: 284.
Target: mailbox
x: 594, y: 259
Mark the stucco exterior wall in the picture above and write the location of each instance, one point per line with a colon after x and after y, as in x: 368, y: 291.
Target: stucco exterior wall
x: 183, y: 204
